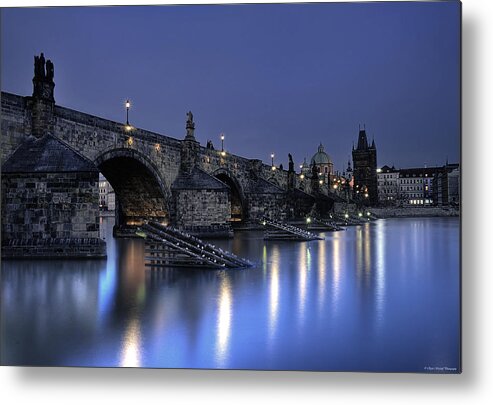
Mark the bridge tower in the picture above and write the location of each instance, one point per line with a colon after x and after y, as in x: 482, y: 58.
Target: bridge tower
x: 365, y: 170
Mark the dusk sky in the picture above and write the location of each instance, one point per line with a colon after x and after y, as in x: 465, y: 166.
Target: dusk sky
x: 273, y: 78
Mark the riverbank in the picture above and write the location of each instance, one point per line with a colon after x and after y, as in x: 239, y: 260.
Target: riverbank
x: 414, y: 212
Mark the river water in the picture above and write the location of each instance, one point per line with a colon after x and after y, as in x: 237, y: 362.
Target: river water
x: 384, y: 296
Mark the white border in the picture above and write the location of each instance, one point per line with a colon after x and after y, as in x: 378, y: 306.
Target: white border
x: 474, y: 386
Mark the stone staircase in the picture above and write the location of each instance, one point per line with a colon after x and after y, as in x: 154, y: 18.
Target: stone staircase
x: 169, y: 247
x: 277, y: 230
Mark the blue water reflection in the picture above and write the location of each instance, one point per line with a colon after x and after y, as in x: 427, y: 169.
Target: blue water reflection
x: 379, y: 297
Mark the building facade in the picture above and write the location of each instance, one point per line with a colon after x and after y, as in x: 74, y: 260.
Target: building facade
x: 419, y: 186
x: 388, y: 185
x: 446, y: 185
x: 416, y: 186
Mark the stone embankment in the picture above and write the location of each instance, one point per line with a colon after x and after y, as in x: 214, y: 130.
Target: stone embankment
x: 406, y: 212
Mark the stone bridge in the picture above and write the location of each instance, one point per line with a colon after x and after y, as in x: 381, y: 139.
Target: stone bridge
x: 153, y: 175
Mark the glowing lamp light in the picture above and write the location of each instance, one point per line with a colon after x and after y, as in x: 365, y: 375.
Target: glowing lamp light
x: 273, y: 167
x: 379, y: 170
x: 360, y: 214
x: 308, y: 220
x: 223, y: 153
x: 366, y: 195
x: 263, y: 223
x: 335, y: 186
x: 222, y: 143
x: 158, y: 147
x: 127, y: 106
x: 346, y: 215
x: 302, y: 176
x: 130, y: 141
x: 368, y: 213
x: 321, y: 182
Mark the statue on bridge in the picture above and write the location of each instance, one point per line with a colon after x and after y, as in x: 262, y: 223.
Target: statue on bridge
x: 314, y: 172
x: 190, y: 119
x: 190, y: 126
x: 39, y: 66
x: 43, y: 84
x: 291, y: 163
x: 50, y: 70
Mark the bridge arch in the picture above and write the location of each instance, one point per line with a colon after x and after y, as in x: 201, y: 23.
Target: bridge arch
x: 140, y: 190
x: 237, y: 196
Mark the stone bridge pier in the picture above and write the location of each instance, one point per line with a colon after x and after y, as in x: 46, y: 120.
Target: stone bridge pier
x: 52, y: 157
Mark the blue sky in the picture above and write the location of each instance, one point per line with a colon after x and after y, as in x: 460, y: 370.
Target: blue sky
x: 274, y: 78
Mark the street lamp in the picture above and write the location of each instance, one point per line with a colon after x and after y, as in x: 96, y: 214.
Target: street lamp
x: 222, y: 142
x: 272, y: 159
x: 127, y: 106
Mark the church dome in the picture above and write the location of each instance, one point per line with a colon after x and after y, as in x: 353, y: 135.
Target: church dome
x: 320, y: 158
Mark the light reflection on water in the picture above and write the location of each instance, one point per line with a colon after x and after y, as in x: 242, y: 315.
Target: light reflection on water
x: 383, y: 296
x: 380, y: 267
x: 224, y: 314
x: 303, y: 266
x: 131, y: 345
x: 273, y: 295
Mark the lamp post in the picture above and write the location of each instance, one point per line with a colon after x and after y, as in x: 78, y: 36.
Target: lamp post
x: 127, y: 106
x: 272, y: 159
x: 222, y: 142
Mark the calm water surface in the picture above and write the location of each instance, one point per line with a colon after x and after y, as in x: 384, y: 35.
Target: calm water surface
x: 378, y: 297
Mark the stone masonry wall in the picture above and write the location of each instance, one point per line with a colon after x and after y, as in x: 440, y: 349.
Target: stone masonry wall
x: 16, y: 123
x: 268, y: 205
x: 50, y: 205
x: 197, y: 208
x: 392, y: 212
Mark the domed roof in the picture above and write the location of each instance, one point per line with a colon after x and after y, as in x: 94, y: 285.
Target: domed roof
x: 320, y: 158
